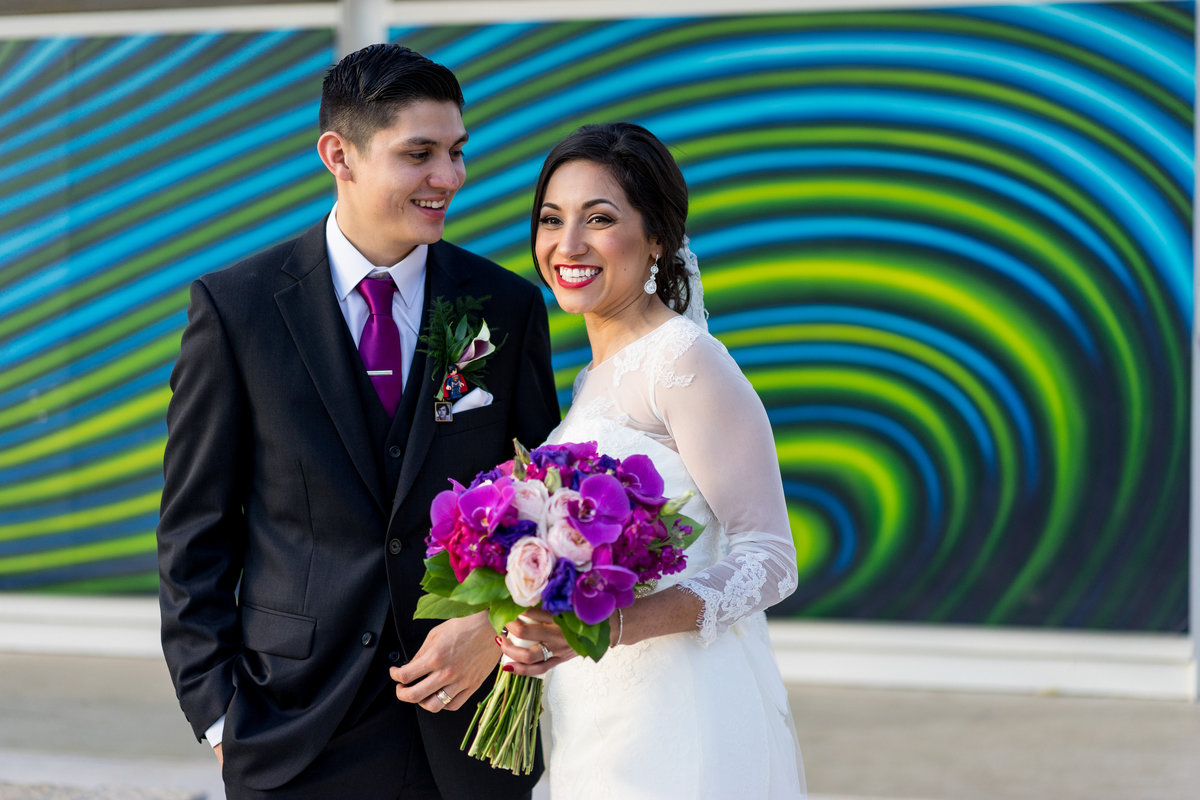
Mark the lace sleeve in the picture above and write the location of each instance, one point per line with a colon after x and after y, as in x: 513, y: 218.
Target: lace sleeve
x: 723, y: 435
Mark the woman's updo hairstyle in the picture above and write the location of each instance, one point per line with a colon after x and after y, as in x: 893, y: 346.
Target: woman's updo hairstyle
x: 651, y: 180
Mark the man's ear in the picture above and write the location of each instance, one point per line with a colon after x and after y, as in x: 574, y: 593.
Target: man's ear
x: 337, y: 155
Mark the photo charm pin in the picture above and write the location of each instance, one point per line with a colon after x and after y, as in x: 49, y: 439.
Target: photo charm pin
x: 458, y: 340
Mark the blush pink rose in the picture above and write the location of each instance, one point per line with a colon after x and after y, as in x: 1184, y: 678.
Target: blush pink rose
x: 568, y: 543
x: 530, y: 498
x: 530, y: 563
x: 558, y: 509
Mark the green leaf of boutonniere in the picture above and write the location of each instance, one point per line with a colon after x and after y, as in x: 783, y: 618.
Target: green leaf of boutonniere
x: 457, y: 334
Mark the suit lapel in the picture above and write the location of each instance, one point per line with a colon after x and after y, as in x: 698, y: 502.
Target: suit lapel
x: 310, y: 311
x: 446, y: 279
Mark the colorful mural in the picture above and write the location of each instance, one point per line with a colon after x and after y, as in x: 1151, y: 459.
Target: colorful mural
x: 951, y: 248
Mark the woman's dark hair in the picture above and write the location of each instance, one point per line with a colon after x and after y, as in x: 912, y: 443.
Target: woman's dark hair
x: 652, y: 182
x: 363, y: 92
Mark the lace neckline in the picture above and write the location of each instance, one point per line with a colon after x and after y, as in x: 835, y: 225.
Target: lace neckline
x: 593, y: 366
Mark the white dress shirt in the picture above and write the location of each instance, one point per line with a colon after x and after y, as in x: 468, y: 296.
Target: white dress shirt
x: 348, y: 268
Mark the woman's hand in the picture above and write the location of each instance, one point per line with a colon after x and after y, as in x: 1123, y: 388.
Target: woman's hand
x: 533, y: 660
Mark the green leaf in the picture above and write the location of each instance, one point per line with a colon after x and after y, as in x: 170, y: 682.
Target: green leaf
x: 439, y: 575
x: 520, y: 461
x: 481, y: 587
x: 587, y: 640
x: 503, y: 611
x: 430, y: 606
x: 669, y: 520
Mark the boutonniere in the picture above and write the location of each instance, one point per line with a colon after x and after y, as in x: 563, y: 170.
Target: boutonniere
x: 459, y: 342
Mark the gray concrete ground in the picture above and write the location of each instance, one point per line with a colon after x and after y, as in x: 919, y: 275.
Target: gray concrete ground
x: 74, y: 728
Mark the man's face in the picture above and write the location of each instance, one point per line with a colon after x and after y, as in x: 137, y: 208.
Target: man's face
x: 402, y: 182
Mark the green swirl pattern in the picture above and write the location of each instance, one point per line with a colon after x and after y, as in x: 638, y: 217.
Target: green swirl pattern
x: 951, y: 248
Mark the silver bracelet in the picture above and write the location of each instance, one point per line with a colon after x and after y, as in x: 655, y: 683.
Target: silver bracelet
x: 620, y: 626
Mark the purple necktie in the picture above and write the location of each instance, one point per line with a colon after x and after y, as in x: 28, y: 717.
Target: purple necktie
x: 380, y: 342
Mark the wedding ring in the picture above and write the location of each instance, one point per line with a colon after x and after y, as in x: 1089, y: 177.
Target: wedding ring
x: 445, y: 698
x: 546, y: 654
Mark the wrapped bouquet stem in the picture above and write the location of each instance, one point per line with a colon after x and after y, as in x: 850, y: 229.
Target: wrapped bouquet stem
x: 565, y: 529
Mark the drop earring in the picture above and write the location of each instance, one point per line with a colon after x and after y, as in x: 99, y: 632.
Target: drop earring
x: 651, y: 286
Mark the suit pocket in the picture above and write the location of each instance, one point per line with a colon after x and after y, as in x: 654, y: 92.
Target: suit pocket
x: 277, y: 633
x: 495, y: 414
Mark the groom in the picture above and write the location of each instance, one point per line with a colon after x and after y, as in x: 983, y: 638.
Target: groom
x: 303, y: 454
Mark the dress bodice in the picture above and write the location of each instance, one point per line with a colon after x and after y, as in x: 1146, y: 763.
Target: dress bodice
x: 677, y: 396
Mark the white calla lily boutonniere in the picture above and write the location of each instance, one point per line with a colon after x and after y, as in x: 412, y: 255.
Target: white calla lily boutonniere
x: 459, y: 341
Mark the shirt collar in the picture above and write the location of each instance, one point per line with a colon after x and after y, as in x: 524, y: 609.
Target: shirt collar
x: 348, y: 266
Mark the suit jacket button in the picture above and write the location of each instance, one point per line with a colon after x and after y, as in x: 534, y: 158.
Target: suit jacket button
x: 394, y: 547
x: 368, y: 639
x: 394, y: 656
x: 394, y: 451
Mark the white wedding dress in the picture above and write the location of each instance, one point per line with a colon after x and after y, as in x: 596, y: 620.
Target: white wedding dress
x: 702, y: 714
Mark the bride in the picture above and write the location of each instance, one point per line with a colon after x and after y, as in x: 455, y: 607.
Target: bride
x: 688, y: 703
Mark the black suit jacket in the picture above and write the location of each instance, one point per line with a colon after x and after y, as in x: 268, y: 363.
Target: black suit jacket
x: 281, y: 549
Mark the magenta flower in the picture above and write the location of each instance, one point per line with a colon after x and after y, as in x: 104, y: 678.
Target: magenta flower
x: 601, y: 509
x: 443, y: 514
x: 641, y: 479
x: 485, y: 507
x: 639, y: 547
x: 469, y: 549
x: 602, y: 590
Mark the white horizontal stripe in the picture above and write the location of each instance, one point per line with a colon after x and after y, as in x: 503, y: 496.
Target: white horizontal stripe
x: 116, y: 23
x: 329, y: 15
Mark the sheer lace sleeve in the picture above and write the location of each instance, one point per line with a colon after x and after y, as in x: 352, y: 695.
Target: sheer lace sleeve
x: 723, y: 436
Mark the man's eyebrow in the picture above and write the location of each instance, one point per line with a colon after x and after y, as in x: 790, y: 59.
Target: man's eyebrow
x: 425, y: 141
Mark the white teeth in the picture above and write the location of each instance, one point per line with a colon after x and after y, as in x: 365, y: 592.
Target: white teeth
x: 576, y: 274
x: 431, y: 203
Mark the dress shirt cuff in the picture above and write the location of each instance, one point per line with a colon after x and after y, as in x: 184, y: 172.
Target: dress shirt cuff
x: 215, y: 732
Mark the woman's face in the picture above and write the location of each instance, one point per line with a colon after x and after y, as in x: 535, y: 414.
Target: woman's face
x: 591, y: 245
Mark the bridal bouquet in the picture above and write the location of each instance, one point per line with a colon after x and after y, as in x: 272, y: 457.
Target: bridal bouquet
x: 563, y: 528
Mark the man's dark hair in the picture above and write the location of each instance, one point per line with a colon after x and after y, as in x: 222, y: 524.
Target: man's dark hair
x: 362, y: 92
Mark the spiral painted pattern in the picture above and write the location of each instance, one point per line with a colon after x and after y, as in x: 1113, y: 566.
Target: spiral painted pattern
x: 952, y: 251
x: 139, y: 163
x: 951, y: 248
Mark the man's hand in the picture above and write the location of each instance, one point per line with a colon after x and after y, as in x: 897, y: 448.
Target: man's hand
x: 220, y: 756
x: 456, y: 658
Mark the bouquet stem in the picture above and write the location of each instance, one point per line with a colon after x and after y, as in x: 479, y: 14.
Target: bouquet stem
x: 505, y: 724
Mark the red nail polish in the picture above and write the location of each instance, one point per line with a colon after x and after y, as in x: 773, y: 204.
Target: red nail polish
x: 507, y: 668
x: 499, y: 641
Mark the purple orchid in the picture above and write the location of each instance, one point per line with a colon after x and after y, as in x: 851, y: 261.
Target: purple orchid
x: 444, y: 515
x: 485, y: 507
x: 641, y: 479
x: 601, y: 509
x: 603, y: 589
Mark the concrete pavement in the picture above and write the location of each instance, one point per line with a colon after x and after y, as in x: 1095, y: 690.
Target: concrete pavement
x: 98, y: 728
